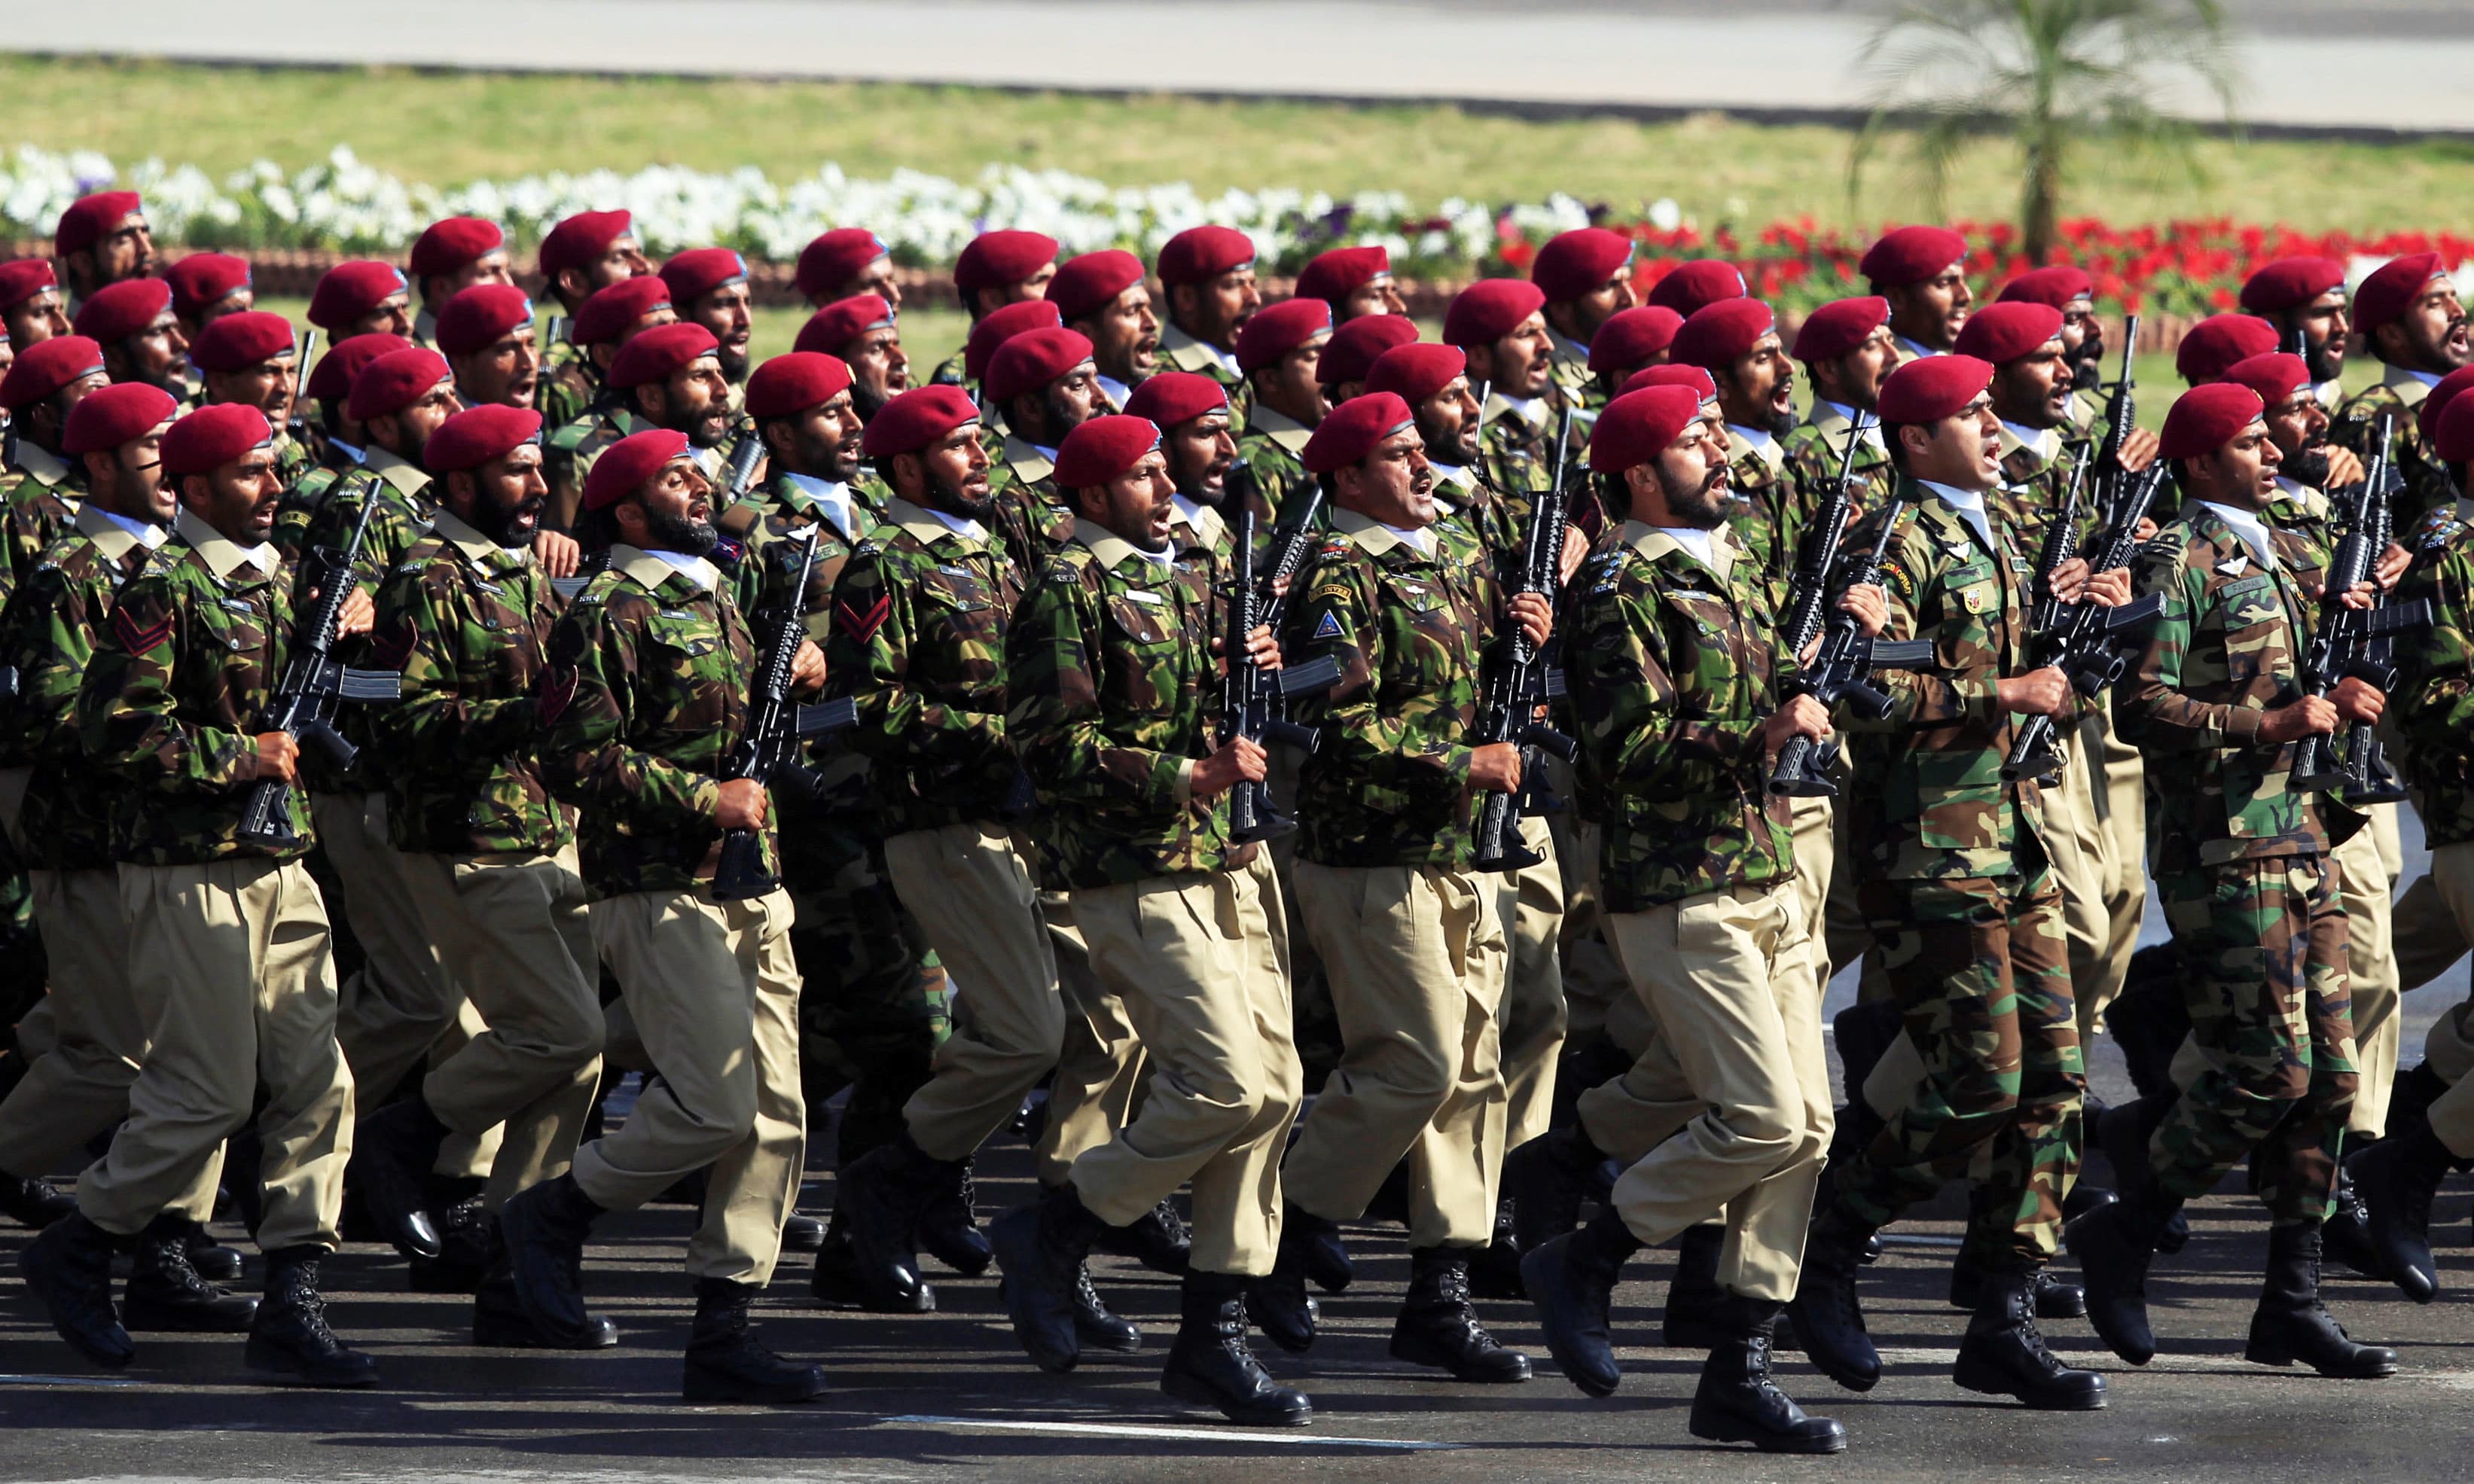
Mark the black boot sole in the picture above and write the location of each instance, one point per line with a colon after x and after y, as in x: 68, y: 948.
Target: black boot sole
x: 145, y: 1317
x: 2376, y: 1364
x: 496, y: 1331
x: 1192, y: 1392
x: 277, y: 1364
x: 841, y: 1291
x: 705, y: 1387
x: 1715, y: 1426
x: 1121, y: 1338
x: 1500, y: 1368
x: 1990, y: 1380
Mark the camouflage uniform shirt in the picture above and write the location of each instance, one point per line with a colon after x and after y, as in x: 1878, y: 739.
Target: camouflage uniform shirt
x: 1274, y: 447
x: 42, y: 494
x: 2434, y: 704
x: 2399, y: 392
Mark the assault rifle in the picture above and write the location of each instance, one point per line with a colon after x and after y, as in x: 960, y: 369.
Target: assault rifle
x: 777, y: 727
x: 2061, y: 544
x: 738, y: 469
x: 1524, y: 683
x: 2085, y: 641
x: 1254, y: 700
x: 2353, y: 641
x: 314, y: 683
x: 1806, y: 605
x: 2121, y: 413
x: 1842, y: 673
x: 296, y: 417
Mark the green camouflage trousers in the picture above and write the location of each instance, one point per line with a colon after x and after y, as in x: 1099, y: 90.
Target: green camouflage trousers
x: 2263, y: 945
x: 1979, y: 970
x: 873, y: 1002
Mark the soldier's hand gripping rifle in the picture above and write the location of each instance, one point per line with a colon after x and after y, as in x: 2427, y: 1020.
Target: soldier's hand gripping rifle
x: 777, y: 727
x: 314, y: 683
x: 2085, y: 641
x: 1524, y: 682
x: 1842, y: 673
x: 1254, y: 700
x: 2352, y: 641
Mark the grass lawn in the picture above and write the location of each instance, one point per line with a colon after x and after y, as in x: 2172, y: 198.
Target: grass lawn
x: 447, y: 128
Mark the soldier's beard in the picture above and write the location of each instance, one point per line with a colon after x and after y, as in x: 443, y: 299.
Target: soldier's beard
x: 1056, y: 419
x: 500, y: 522
x: 1458, y: 449
x: 2087, y: 372
x: 2321, y: 361
x: 868, y: 401
x: 2309, y: 466
x: 680, y: 534
x: 1706, y: 507
x: 954, y: 497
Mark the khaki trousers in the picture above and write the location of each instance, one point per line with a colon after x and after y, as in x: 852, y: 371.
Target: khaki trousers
x: 1728, y: 976
x: 2368, y: 867
x: 402, y: 1000
x: 971, y: 891
x: 2121, y: 809
x: 1529, y: 902
x: 1816, y: 866
x: 229, y: 967
x: 714, y: 994
x: 1415, y: 956
x: 1192, y: 959
x: 516, y: 932
x: 1100, y: 1066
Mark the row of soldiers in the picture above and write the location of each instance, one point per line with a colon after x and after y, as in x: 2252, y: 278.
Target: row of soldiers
x: 1057, y: 792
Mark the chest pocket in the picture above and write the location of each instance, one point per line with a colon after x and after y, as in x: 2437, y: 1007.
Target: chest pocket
x: 2255, y: 627
x: 958, y: 599
x: 1150, y: 619
x: 1975, y: 588
x: 675, y: 640
x: 1708, y: 614
x: 237, y: 626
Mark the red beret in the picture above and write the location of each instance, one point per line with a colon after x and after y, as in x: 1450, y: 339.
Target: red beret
x: 1200, y: 254
x: 452, y: 244
x: 1577, y: 262
x: 581, y: 238
x: 2275, y: 376
x: 1672, y: 374
x: 1838, y: 327
x: 480, y: 315
x: 660, y: 352
x: 89, y: 218
x: 1351, y: 430
x: 2291, y: 282
x: 1355, y: 347
x: 1489, y: 309
x: 2205, y: 419
x: 1172, y: 397
x: 1690, y: 287
x: 1092, y: 281
x: 613, y: 309
x: 1000, y: 326
x: 1932, y: 387
x: 621, y: 470
x: 2454, y: 441
x: 202, y: 280
x: 994, y: 259
x: 1336, y: 273
x: 212, y: 437
x: 835, y: 325
x: 1718, y: 335
x: 1282, y: 327
x: 2007, y: 331
x: 915, y: 418
x: 2217, y: 342
x: 476, y: 435
x: 1638, y: 426
x: 119, y: 310
x: 1631, y: 336
x: 23, y: 279
x: 1032, y: 359
x: 793, y: 383
x: 2057, y: 286
x: 699, y: 271
x: 2434, y: 402
x: 1911, y: 254
x: 2393, y: 288
x: 110, y: 417
x: 237, y: 341
x: 348, y: 291
x: 1416, y: 372
x: 42, y: 370
x: 1098, y: 449
x: 330, y: 380
x: 393, y: 381
x: 835, y: 258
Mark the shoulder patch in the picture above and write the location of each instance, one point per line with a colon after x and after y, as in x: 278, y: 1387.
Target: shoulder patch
x: 1329, y: 628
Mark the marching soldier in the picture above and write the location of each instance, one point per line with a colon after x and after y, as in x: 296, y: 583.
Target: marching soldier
x: 1629, y: 341
x: 1737, y: 342
x: 1500, y: 323
x: 863, y: 334
x: 1690, y: 287
x: 486, y: 333
x: 341, y: 441
x: 1208, y: 275
x: 1922, y: 272
x: 709, y: 287
x: 1586, y: 274
x: 1846, y: 351
x: 140, y: 337
x: 1352, y: 351
x: 994, y: 269
x: 449, y: 258
x: 845, y: 262
x: 1356, y: 282
x: 2306, y: 293
x: 1280, y: 352
x: 42, y: 392
x: 205, y: 287
x: 645, y: 695
x: 1100, y: 297
x: 1044, y: 384
x: 103, y: 239
x: 251, y: 357
x: 582, y: 255
x: 602, y: 327
x: 31, y: 310
x: 2411, y: 322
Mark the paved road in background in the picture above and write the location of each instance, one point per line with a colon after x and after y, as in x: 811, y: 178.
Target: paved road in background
x: 2350, y: 63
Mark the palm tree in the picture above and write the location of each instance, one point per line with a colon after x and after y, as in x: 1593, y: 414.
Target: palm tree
x: 2054, y: 75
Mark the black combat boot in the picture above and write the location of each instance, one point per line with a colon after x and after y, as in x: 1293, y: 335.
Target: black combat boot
x: 1041, y: 1247
x: 393, y: 1151
x: 1572, y: 1280
x: 881, y: 1195
x: 1855, y: 1128
x: 2114, y: 1247
x: 1209, y: 1364
x: 1437, y: 1325
x: 948, y: 1225
x: 2123, y: 1132
x: 2004, y: 1354
x: 500, y: 1322
x: 2054, y: 1297
x: 1494, y: 1269
x: 1545, y: 1181
x: 1094, y: 1325
x: 1692, y: 1294
x: 33, y: 1203
x: 1158, y: 1240
x: 468, y: 1244
x: 2397, y: 1179
x: 290, y: 1338
x: 545, y: 1228
x: 1829, y: 1320
x: 1737, y: 1403
x: 1321, y: 1251
x: 2290, y: 1324
x: 801, y: 1233
x: 2346, y: 1237
x: 1277, y: 1303
x: 214, y: 1261
x: 727, y: 1362
x: 166, y: 1293
x: 838, y: 1284
x: 68, y: 1265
